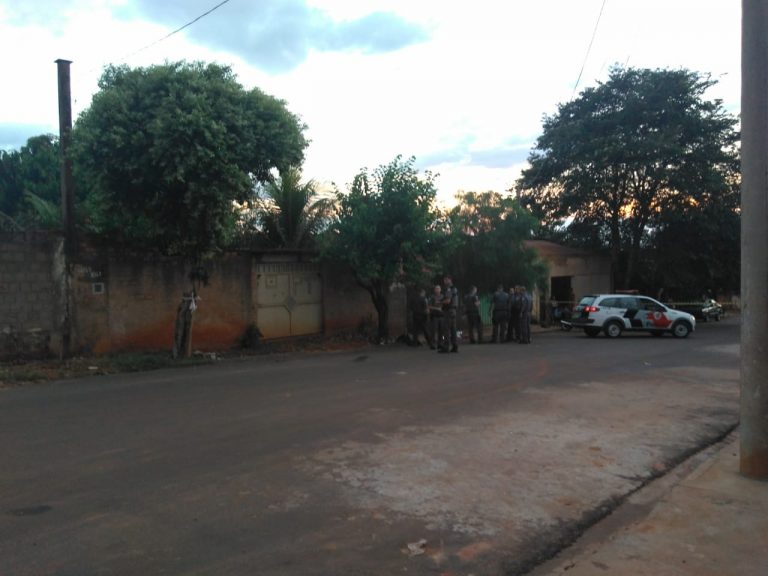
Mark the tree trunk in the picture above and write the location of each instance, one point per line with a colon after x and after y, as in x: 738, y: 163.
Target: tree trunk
x: 615, y: 246
x: 182, y: 334
x: 381, y: 303
x: 634, y: 251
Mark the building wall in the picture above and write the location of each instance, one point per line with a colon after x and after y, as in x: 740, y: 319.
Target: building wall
x: 130, y: 303
x: 29, y: 295
x: 589, y: 273
x: 122, y: 302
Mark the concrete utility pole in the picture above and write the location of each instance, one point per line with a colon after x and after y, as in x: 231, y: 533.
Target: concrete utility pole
x: 67, y: 200
x: 754, y: 239
x: 65, y: 142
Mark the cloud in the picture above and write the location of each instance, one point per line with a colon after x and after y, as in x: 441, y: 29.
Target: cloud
x: 498, y: 157
x: 48, y: 13
x: 505, y: 155
x: 14, y: 136
x: 278, y: 35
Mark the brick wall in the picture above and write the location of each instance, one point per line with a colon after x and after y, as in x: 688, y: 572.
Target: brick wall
x: 29, y: 295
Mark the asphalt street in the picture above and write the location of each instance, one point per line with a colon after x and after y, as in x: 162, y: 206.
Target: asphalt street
x: 389, y: 460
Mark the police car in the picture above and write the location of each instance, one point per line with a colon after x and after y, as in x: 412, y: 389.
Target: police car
x: 612, y: 314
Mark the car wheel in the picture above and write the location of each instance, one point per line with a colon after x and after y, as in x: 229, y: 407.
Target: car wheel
x: 591, y: 332
x: 681, y: 329
x: 657, y: 333
x: 613, y: 329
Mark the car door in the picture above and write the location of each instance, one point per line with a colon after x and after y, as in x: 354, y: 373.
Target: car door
x: 632, y: 317
x: 654, y: 315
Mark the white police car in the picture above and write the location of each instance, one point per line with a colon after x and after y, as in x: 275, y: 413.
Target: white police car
x: 614, y: 313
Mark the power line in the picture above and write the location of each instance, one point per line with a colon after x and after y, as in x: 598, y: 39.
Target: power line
x: 203, y: 15
x: 589, y: 48
x: 575, y: 86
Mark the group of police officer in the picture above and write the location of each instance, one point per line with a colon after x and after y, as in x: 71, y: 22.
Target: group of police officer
x: 511, y: 315
x: 436, y: 316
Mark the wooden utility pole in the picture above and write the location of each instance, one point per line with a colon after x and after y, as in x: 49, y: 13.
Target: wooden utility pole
x: 754, y: 240
x: 67, y: 200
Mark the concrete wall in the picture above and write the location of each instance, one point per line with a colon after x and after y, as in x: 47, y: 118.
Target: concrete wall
x: 129, y: 303
x: 125, y: 302
x: 29, y: 294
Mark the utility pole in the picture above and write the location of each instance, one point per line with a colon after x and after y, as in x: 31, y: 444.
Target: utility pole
x: 754, y: 240
x: 67, y: 199
x: 65, y: 142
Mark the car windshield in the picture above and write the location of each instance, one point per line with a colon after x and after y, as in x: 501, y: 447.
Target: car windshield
x: 587, y: 301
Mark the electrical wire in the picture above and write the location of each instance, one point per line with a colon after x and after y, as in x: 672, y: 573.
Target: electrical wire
x: 179, y: 29
x: 589, y: 49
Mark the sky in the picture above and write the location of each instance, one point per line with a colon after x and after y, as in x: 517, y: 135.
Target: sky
x: 461, y: 86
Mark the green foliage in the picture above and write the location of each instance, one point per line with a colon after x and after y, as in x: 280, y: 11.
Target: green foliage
x: 490, y: 230
x: 30, y: 185
x: 615, y: 159
x: 386, y: 230
x: 697, y: 249
x: 289, y: 213
x: 168, y: 150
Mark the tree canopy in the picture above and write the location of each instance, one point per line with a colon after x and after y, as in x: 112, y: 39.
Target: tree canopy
x: 168, y: 150
x: 30, y: 184
x: 289, y: 213
x: 489, y: 232
x: 385, y: 230
x: 610, y: 163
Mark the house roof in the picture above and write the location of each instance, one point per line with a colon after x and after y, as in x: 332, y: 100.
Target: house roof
x: 546, y: 248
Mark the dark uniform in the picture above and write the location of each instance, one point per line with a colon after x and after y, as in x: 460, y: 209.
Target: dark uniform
x: 421, y: 318
x: 451, y: 311
x: 474, y: 322
x: 437, y: 320
x: 526, y: 306
x: 500, y: 315
x: 514, y: 315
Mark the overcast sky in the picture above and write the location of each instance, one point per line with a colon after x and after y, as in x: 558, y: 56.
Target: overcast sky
x: 462, y: 86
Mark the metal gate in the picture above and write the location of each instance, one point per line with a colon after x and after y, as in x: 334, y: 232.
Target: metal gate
x: 289, y: 300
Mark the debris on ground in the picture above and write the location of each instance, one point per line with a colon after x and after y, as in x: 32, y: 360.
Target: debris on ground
x: 415, y: 548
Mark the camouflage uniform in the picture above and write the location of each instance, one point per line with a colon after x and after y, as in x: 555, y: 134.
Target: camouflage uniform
x: 474, y: 322
x: 451, y: 311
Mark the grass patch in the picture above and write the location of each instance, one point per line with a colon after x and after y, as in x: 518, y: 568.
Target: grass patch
x: 137, y: 362
x: 19, y: 374
x: 16, y: 374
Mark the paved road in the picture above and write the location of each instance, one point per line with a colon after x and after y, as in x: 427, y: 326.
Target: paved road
x: 333, y: 464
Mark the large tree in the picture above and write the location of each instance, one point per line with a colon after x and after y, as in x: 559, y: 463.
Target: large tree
x: 489, y: 232
x: 29, y: 184
x: 385, y: 231
x: 168, y: 150
x: 696, y: 249
x: 609, y: 162
x: 171, y: 153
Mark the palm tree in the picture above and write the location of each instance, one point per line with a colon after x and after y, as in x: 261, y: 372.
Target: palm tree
x: 291, y: 213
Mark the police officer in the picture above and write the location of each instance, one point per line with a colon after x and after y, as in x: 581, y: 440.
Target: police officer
x: 436, y: 319
x: 451, y: 311
x: 499, y: 314
x: 526, y: 306
x: 472, y: 310
x: 421, y: 318
x: 510, y: 324
x: 514, y: 313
